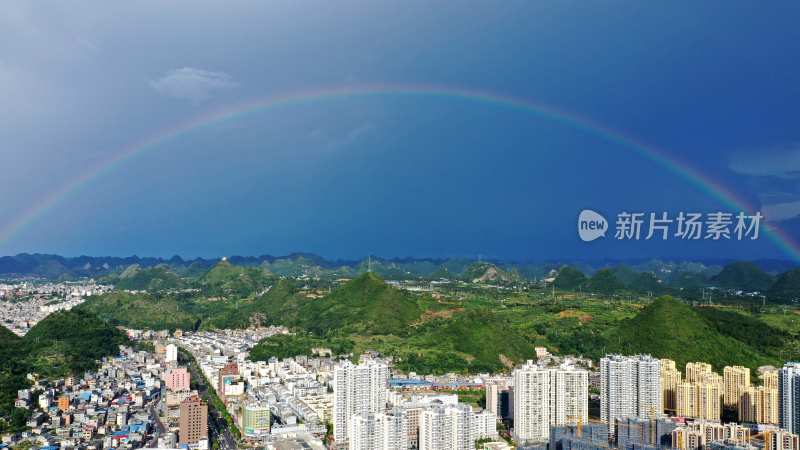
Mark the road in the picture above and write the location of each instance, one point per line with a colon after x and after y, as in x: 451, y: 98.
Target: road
x: 217, y: 427
x: 159, y: 428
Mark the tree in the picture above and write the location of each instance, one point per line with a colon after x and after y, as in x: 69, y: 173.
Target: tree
x: 646, y: 282
x: 604, y: 282
x: 786, y: 288
x: 569, y: 278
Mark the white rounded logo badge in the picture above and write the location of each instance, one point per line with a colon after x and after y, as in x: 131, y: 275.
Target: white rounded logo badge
x: 591, y: 225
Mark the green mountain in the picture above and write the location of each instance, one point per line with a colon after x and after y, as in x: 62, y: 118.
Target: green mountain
x: 786, y: 288
x: 69, y: 342
x: 743, y: 275
x: 7, y: 338
x: 687, y: 280
x: 365, y: 305
x: 645, y: 282
x: 12, y: 376
x: 570, y: 278
x: 66, y: 342
x: 625, y: 274
x: 227, y: 279
x: 469, y: 341
x: 604, y: 281
x: 668, y: 328
x: 156, y: 278
x: 143, y: 311
x: 484, y: 272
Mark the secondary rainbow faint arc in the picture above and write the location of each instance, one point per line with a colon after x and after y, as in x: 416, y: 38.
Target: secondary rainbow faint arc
x: 231, y: 112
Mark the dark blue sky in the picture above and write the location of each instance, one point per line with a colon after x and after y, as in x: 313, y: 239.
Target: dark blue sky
x: 715, y: 84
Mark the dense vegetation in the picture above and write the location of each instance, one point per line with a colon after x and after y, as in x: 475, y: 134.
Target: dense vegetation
x: 66, y: 342
x: 153, y: 279
x: 288, y: 345
x: 469, y: 327
x: 570, y: 278
x: 12, y: 376
x: 365, y: 305
x: 226, y: 279
x: 668, y: 328
x: 786, y: 288
x: 144, y: 310
x: 743, y: 275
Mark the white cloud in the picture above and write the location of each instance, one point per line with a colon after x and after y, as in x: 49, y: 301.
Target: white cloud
x: 192, y: 84
x: 779, y: 162
x: 778, y: 212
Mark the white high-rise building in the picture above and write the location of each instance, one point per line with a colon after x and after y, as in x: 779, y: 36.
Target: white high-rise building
x: 569, y: 396
x: 493, y: 387
x: 357, y: 389
x: 378, y: 431
x: 548, y: 397
x: 630, y: 386
x: 171, y: 353
x: 531, y: 403
x: 789, y: 397
x: 454, y: 427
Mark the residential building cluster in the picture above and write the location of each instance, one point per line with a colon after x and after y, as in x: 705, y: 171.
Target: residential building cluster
x: 26, y: 303
x: 114, y: 406
x: 667, y: 409
x: 280, y: 402
x: 704, y: 394
x: 276, y: 404
x: 369, y: 415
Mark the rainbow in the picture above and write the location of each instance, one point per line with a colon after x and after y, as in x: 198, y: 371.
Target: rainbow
x: 232, y: 112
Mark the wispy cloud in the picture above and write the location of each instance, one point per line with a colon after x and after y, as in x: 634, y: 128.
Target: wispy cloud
x: 779, y: 212
x: 782, y: 162
x: 341, y: 139
x: 192, y: 84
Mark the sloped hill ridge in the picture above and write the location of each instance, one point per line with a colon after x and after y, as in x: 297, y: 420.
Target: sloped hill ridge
x: 743, y: 275
x: 786, y: 288
x: 228, y: 279
x: 668, y: 328
x: 364, y: 305
x: 153, y: 279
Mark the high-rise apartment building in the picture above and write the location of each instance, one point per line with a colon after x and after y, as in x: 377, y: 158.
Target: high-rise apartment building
x: 193, y: 420
x: 357, y: 389
x: 789, y: 397
x: 569, y: 396
x: 686, y: 400
x: 701, y: 433
x: 709, y: 401
x: 696, y: 371
x: 378, y: 431
x: 548, y: 397
x: 454, y: 427
x: 531, y: 385
x: 734, y: 379
x: 700, y: 399
x: 630, y: 386
x: 769, y: 379
x: 495, y: 387
x: 670, y: 379
x: 758, y: 405
x: 781, y: 440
